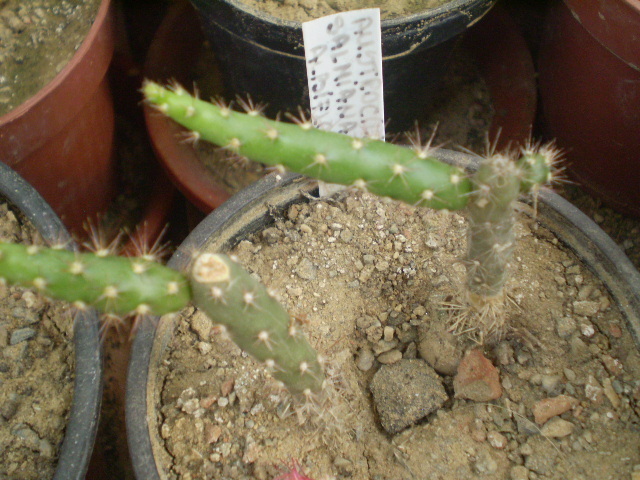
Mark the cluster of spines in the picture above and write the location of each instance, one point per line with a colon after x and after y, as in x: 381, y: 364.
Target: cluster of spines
x: 256, y: 322
x: 411, y: 175
x: 113, y: 285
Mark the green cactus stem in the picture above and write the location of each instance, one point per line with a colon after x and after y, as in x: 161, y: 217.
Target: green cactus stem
x: 113, y: 285
x: 218, y: 286
x: 255, y: 321
x: 405, y: 174
x: 411, y: 175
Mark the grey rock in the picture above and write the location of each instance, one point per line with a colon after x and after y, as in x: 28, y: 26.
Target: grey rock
x: 365, y: 359
x: 346, y: 236
x: 519, y: 473
x: 21, y: 335
x: 10, y: 407
x: 565, y: 327
x: 271, y: 235
x: 406, y: 392
x: 485, y: 464
x: 306, y: 269
x: 27, y: 435
x: 392, y: 356
x: 551, y: 384
x: 586, y: 308
x: 440, y: 349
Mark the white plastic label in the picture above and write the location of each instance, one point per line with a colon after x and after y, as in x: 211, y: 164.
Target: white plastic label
x: 344, y: 70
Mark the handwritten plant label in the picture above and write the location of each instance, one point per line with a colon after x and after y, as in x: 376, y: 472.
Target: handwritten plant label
x: 344, y: 70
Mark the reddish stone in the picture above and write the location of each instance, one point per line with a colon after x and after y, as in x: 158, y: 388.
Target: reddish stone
x: 477, y: 379
x: 615, y: 330
x: 613, y: 365
x: 552, y: 407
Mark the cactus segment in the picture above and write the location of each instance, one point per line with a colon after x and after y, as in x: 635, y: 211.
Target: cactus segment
x: 255, y: 321
x: 498, y: 182
x: 491, y: 224
x: 385, y: 169
x: 536, y: 166
x: 113, y: 285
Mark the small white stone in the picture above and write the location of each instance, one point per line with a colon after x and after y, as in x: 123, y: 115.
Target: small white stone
x: 497, y: 440
x: 587, y: 330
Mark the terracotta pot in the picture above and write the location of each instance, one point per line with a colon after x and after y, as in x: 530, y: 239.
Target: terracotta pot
x: 84, y: 414
x: 61, y: 139
x: 590, y: 93
x: 248, y: 212
x: 495, y: 42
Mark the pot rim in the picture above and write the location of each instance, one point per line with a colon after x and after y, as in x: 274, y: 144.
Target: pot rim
x: 427, y: 15
x: 595, y: 249
x: 80, y: 433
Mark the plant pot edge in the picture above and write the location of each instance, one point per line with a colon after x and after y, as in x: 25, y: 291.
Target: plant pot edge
x: 80, y: 433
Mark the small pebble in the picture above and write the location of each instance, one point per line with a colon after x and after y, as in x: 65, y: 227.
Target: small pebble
x: 201, y: 325
x: 547, y: 408
x: 392, y: 356
x: 4, y: 336
x: 550, y: 383
x: 21, y: 335
x: 388, y: 333
x: 477, y: 379
x: 485, y: 464
x: 519, y: 473
x: 365, y: 359
x: 190, y: 406
x: 586, y: 308
x: 306, y: 269
x: 557, y: 428
x: 497, y: 440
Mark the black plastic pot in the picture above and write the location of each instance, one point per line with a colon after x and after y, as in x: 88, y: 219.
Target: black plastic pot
x: 263, y: 56
x: 246, y: 213
x: 82, y: 425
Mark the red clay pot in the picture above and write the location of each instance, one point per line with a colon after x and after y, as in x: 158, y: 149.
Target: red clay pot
x: 171, y: 56
x: 503, y: 57
x: 61, y: 139
x: 590, y: 92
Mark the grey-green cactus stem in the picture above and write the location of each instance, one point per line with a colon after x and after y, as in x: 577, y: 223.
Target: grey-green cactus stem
x: 114, y: 285
x: 498, y: 182
x: 407, y: 174
x: 255, y: 321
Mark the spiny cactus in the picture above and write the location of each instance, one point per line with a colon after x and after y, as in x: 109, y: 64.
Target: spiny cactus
x: 255, y: 321
x: 491, y: 237
x: 135, y: 285
x: 411, y: 175
x: 113, y: 285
